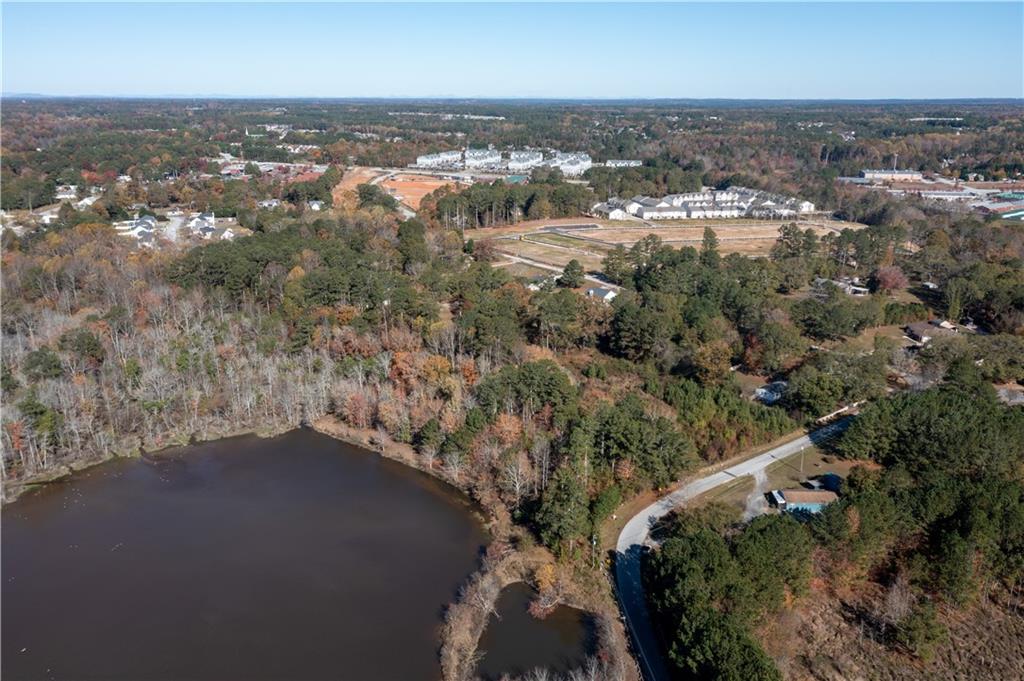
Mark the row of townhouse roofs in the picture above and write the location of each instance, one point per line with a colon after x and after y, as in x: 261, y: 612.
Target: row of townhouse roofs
x: 573, y: 163
x: 734, y: 202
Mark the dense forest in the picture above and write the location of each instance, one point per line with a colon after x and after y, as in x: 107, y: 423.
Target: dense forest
x: 484, y: 204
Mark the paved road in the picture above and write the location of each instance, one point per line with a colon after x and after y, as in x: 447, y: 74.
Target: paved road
x: 635, y: 536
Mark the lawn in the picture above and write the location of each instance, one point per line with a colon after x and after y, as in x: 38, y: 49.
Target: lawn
x: 569, y: 242
x: 783, y: 474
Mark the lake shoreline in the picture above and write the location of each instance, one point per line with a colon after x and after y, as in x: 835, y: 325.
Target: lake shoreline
x: 495, y: 519
x: 13, y: 489
x: 501, y: 566
x: 511, y: 557
x: 236, y: 512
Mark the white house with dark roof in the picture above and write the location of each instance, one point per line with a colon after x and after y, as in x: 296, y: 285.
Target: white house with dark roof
x: 606, y: 295
x: 610, y: 210
x: 202, y: 224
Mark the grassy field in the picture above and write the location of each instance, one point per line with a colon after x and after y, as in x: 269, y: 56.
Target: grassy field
x: 545, y: 242
x: 522, y: 270
x: 555, y: 242
x: 548, y: 254
x: 570, y: 242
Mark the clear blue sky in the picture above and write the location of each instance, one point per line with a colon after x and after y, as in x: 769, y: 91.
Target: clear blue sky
x: 730, y: 50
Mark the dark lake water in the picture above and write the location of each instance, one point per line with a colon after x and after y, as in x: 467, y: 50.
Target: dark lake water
x: 516, y: 642
x: 297, y: 557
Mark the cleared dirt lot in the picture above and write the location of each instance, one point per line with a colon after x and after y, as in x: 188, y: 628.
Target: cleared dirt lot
x: 354, y: 177
x: 343, y: 193
x: 410, y: 189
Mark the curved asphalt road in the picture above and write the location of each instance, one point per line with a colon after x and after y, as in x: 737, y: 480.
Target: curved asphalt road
x: 636, y: 534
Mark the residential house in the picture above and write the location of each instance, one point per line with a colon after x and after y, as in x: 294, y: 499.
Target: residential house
x: 611, y: 210
x: 87, y: 201
x: 771, y: 393
x: 925, y: 332
x: 806, y: 500
x: 66, y: 191
x: 606, y: 295
x: 851, y: 286
x: 541, y: 282
x: 142, y: 229
x: 203, y: 225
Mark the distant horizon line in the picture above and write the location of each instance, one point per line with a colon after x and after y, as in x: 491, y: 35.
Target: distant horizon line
x: 512, y: 98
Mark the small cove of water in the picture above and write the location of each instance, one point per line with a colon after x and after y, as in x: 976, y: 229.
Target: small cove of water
x: 515, y: 642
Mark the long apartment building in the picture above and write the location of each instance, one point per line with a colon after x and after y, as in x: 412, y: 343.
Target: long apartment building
x: 572, y: 164
x: 734, y: 202
x: 524, y: 160
x: 482, y: 158
x: 893, y: 175
x: 442, y: 159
